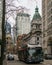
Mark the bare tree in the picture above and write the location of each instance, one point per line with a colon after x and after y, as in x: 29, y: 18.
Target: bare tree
x: 11, y: 9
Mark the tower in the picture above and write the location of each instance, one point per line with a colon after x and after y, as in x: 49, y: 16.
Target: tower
x: 23, y: 23
x: 36, y: 26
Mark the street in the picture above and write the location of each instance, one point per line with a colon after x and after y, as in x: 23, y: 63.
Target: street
x: 20, y: 63
x: 46, y: 62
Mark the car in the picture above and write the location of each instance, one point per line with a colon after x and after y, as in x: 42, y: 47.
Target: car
x: 10, y: 57
x: 16, y: 57
x: 48, y: 56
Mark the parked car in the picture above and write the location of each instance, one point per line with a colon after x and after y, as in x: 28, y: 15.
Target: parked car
x: 16, y: 57
x: 48, y: 56
x: 10, y: 57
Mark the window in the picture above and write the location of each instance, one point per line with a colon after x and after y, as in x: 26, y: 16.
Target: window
x: 44, y: 43
x: 34, y: 27
x: 44, y: 35
x: 37, y: 42
x: 51, y: 18
x: 37, y: 38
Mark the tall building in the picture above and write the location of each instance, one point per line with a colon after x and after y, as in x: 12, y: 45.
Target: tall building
x: 23, y: 23
x: 47, y: 25
x: 7, y: 28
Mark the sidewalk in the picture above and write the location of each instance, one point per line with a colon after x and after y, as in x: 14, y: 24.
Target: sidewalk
x: 48, y: 62
x: 5, y: 62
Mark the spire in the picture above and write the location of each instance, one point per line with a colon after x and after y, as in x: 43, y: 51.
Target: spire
x: 36, y: 9
x: 36, y: 15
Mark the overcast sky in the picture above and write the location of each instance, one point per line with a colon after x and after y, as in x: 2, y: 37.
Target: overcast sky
x: 29, y: 4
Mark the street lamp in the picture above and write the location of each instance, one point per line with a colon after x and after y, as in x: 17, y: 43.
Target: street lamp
x: 2, y: 39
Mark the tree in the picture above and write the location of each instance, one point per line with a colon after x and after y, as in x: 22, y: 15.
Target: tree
x: 12, y: 9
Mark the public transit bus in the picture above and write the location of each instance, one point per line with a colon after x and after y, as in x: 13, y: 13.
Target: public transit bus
x: 30, y: 53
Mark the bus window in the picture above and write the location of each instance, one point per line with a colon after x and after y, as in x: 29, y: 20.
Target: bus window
x: 38, y: 50
x: 31, y: 51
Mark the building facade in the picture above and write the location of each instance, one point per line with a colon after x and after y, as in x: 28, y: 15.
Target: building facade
x: 35, y: 35
x: 7, y: 28
x: 23, y: 23
x: 9, y: 44
x: 47, y: 25
x: 36, y: 27
x: 1, y: 8
x: 14, y: 36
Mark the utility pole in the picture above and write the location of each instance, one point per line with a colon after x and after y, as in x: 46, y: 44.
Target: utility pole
x: 2, y: 32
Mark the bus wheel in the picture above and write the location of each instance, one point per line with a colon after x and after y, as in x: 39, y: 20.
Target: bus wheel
x: 26, y: 62
x: 38, y: 62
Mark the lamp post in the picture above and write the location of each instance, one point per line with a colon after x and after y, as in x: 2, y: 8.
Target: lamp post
x: 2, y: 32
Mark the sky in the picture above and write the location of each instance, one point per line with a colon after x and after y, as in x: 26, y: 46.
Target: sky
x: 30, y: 5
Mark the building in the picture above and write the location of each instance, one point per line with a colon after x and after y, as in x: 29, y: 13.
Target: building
x: 1, y: 8
x: 14, y: 36
x: 35, y: 35
x: 23, y: 23
x: 9, y: 44
x: 47, y: 25
x: 7, y: 31
x: 20, y: 40
x: 36, y: 27
x: 7, y: 28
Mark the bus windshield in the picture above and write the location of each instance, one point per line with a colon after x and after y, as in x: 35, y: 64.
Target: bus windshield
x: 38, y: 50
x: 35, y: 51
x: 32, y: 51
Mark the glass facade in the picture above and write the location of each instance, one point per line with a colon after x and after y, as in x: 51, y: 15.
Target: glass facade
x: 7, y: 28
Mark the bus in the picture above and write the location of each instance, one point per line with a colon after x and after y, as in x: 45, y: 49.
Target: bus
x: 30, y: 53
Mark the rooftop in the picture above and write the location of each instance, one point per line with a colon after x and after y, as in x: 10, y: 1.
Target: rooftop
x: 23, y: 14
x: 36, y: 15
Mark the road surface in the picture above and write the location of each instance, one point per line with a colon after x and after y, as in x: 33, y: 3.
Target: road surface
x: 46, y: 62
